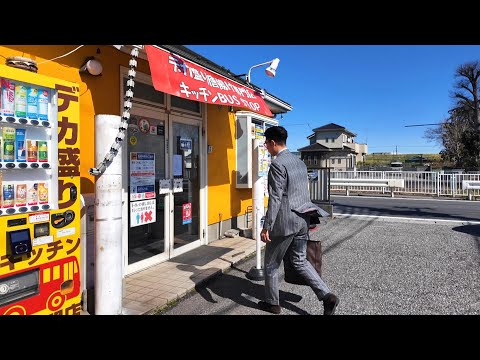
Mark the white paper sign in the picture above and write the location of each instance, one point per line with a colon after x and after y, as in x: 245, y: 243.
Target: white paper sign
x: 164, y: 186
x: 39, y: 217
x: 65, y: 232
x: 42, y: 240
x: 142, y: 212
x: 142, y: 176
x: 178, y: 185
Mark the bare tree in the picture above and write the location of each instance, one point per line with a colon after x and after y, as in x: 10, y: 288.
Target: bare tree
x: 459, y: 134
x: 466, y: 97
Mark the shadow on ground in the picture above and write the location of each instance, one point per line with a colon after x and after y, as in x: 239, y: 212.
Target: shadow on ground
x: 240, y: 290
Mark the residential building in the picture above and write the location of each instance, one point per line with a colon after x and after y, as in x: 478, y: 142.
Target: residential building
x: 333, y: 146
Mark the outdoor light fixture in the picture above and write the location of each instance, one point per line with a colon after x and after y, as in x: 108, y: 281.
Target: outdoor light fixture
x: 270, y: 71
x: 91, y: 66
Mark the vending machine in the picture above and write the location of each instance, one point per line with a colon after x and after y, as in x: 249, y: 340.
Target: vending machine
x: 39, y: 194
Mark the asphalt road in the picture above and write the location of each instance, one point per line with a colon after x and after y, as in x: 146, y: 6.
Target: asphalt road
x: 375, y: 266
x: 411, y: 207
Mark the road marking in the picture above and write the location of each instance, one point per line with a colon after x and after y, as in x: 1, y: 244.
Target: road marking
x: 407, y: 219
x: 401, y: 198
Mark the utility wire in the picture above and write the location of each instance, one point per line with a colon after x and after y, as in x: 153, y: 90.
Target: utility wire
x: 58, y: 57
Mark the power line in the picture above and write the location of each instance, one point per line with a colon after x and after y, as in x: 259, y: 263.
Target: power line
x: 424, y: 124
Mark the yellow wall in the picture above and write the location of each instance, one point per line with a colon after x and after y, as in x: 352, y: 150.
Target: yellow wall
x: 98, y: 94
x: 223, y: 196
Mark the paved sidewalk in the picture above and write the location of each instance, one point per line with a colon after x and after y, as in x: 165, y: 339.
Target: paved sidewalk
x: 148, y: 291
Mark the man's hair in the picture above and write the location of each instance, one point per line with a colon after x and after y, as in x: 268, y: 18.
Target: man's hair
x: 277, y: 133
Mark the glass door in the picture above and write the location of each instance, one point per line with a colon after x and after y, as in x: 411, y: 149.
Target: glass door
x: 185, y: 160
x: 146, y: 165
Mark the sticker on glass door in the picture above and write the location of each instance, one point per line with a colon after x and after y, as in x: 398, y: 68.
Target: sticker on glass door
x: 142, y: 212
x: 142, y: 176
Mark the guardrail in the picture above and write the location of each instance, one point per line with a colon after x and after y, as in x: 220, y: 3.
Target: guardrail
x: 470, y: 186
x: 382, y: 183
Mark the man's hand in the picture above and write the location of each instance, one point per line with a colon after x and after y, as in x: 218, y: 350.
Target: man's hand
x: 264, y: 236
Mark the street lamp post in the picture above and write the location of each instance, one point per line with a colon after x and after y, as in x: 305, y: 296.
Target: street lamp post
x: 257, y: 273
x: 270, y: 71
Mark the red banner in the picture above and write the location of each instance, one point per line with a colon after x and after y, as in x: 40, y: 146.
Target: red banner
x: 176, y: 76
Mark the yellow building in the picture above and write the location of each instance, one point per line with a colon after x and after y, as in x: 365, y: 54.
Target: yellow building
x: 186, y: 157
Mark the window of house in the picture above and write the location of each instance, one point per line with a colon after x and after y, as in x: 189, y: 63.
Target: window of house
x: 315, y: 160
x: 333, y: 161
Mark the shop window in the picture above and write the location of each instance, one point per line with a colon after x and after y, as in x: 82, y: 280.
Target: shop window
x: 145, y: 93
x: 248, y: 127
x: 185, y: 104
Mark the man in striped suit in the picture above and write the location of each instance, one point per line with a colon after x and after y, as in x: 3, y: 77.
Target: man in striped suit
x: 285, y: 229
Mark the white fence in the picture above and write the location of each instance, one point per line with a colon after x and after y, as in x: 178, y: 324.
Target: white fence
x: 415, y: 182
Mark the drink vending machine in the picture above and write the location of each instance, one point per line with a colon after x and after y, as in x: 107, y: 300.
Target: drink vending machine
x: 39, y: 194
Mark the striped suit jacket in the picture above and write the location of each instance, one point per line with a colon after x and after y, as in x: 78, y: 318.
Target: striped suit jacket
x: 288, y: 195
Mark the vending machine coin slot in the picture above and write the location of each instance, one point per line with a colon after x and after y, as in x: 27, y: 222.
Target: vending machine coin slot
x: 73, y: 193
x: 17, y: 222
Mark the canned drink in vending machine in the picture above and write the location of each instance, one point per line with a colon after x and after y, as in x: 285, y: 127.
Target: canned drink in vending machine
x: 32, y: 193
x: 42, y: 193
x: 20, y: 194
x: 42, y: 151
x: 32, y: 151
x: 8, y: 195
x: 21, y: 100
x: 43, y: 104
x: 32, y: 103
x: 8, y: 97
x: 21, y: 148
x: 9, y: 143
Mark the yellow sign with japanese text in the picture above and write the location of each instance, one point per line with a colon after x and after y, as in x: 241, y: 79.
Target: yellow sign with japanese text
x: 40, y: 195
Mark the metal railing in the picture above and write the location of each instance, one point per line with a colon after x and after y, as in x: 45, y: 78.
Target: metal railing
x: 416, y: 183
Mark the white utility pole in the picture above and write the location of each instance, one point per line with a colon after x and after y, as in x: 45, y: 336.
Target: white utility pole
x: 108, y: 221
x: 257, y: 273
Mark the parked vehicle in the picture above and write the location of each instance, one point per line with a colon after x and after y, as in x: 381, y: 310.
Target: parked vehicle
x: 396, y: 165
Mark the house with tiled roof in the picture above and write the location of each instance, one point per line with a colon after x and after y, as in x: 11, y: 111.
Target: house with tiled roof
x: 332, y: 146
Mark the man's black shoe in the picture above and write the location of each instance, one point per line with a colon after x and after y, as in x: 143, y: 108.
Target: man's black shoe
x: 274, y: 309
x: 330, y: 303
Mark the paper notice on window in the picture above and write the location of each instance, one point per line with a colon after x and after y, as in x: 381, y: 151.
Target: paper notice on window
x: 177, y: 165
x: 164, y: 186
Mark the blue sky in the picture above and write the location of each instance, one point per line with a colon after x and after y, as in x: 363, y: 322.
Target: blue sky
x: 372, y: 90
